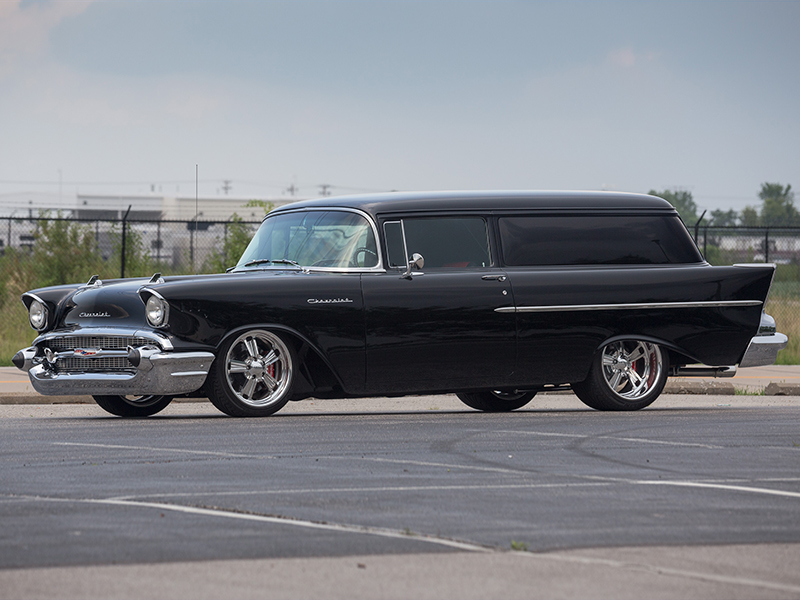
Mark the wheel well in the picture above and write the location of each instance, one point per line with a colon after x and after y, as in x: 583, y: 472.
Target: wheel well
x: 677, y: 356
x: 314, y: 373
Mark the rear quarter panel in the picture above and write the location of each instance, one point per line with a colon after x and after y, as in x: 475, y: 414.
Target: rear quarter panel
x: 557, y: 347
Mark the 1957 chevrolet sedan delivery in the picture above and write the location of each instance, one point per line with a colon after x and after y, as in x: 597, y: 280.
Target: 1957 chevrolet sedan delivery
x: 491, y: 295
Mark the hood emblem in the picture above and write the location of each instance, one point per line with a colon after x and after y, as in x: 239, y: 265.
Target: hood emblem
x: 329, y: 300
x: 94, y: 315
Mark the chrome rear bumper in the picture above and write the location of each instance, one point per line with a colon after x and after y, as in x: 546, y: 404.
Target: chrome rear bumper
x: 763, y: 350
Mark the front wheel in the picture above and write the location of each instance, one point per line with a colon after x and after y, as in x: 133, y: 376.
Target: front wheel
x: 625, y: 375
x: 496, y: 401
x: 252, y: 375
x: 133, y: 406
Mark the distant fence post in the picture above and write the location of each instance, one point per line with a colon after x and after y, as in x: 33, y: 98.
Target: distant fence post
x: 124, y: 231
x: 766, y: 245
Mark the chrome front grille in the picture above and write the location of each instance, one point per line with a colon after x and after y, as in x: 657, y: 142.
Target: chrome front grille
x: 66, y: 363
x: 104, y: 342
x: 105, y: 363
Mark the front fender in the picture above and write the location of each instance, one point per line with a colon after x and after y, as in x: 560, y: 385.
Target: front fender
x: 311, y: 358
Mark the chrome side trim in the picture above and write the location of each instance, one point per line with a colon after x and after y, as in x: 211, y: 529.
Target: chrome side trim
x: 630, y: 306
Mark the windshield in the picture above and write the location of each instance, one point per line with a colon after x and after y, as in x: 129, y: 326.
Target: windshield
x: 331, y: 238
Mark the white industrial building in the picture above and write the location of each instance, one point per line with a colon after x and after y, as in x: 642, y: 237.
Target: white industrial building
x: 113, y: 206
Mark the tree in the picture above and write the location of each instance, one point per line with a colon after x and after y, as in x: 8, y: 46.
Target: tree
x: 237, y: 236
x: 682, y: 201
x: 778, y: 208
x: 749, y: 216
x: 723, y: 218
x: 64, y: 252
x: 138, y: 262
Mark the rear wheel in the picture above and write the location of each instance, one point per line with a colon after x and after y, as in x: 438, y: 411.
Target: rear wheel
x: 252, y: 375
x: 133, y: 406
x: 496, y: 401
x: 626, y: 375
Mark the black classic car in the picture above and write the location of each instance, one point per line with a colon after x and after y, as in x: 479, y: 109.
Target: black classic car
x: 491, y: 295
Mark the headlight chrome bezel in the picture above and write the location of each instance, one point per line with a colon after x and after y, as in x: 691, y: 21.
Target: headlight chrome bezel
x: 156, y: 310
x: 39, y: 312
x: 38, y: 315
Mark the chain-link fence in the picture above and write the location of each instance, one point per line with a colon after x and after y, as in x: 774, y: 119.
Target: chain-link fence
x: 175, y: 247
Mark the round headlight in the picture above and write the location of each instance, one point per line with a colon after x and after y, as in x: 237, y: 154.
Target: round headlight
x: 156, y: 311
x: 37, y: 315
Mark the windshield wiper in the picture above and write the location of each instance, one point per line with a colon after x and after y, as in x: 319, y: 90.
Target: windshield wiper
x: 277, y: 261
x: 286, y: 261
x: 258, y: 261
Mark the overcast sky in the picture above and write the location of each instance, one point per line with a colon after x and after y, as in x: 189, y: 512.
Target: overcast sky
x: 121, y: 95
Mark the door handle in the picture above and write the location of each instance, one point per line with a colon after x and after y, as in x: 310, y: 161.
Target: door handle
x: 494, y: 277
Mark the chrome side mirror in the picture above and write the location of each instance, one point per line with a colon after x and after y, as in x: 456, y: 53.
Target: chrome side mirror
x: 415, y: 262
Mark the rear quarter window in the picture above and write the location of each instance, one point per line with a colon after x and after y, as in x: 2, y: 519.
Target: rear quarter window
x: 596, y: 240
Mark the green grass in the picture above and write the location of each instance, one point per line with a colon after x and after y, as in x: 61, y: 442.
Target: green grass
x: 519, y: 546
x: 786, y: 312
x: 15, y: 332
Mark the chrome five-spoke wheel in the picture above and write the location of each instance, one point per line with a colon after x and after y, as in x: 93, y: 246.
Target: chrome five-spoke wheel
x: 252, y: 375
x: 625, y: 375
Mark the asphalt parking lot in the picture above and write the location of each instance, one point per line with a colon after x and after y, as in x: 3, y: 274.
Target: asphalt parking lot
x: 696, y: 496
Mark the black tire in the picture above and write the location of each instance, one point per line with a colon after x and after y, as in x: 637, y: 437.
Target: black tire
x: 133, y: 406
x: 252, y: 375
x: 625, y: 375
x: 496, y: 401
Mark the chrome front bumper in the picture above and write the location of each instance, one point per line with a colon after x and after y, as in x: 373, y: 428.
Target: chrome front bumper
x: 763, y: 350
x: 159, y: 373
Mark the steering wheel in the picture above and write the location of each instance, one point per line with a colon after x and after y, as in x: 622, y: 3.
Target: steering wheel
x: 363, y: 250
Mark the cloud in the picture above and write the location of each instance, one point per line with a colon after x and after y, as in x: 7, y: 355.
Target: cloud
x: 25, y: 28
x: 64, y: 96
x: 627, y: 58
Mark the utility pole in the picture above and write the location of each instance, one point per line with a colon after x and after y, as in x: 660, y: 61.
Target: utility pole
x: 226, y: 186
x: 324, y: 189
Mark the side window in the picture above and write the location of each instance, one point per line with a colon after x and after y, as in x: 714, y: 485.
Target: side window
x: 444, y: 242
x: 395, y: 243
x: 595, y: 240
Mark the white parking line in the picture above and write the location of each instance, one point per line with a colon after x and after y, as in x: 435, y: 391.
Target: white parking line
x: 154, y: 449
x: 378, y: 489
x: 721, y: 486
x: 242, y: 516
x: 612, y: 437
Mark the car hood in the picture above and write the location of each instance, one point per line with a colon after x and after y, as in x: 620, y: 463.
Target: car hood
x: 108, y: 305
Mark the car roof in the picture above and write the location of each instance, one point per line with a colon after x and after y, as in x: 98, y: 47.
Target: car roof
x: 485, y: 201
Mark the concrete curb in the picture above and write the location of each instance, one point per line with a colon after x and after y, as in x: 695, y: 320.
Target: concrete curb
x: 782, y: 389
x: 718, y: 388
